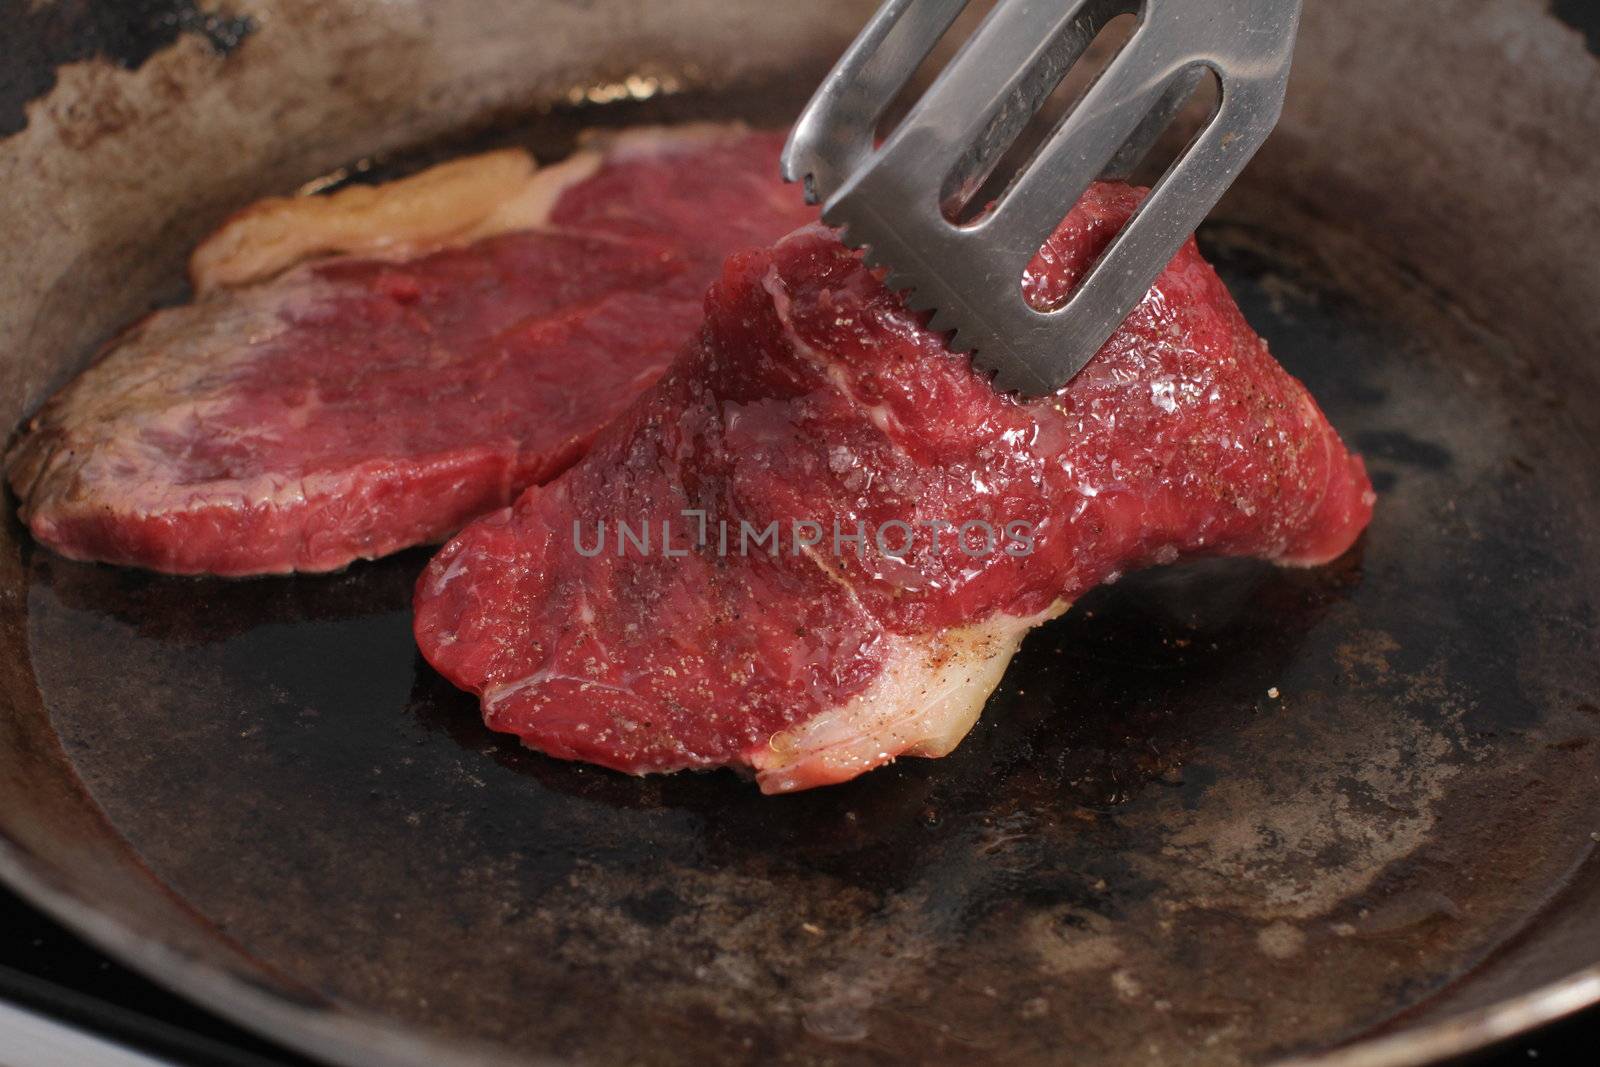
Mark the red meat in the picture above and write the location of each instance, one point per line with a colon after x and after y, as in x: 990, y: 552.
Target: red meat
x: 352, y: 407
x: 813, y: 400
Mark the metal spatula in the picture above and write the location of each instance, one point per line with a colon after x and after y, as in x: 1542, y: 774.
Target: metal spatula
x: 894, y: 200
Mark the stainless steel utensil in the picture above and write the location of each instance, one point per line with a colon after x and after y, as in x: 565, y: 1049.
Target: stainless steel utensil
x: 897, y: 201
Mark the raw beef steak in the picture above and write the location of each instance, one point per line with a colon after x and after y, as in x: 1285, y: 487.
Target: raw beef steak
x: 485, y: 320
x: 859, y: 529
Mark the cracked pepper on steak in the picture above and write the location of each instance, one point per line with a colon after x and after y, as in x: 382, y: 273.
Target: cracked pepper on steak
x: 811, y: 395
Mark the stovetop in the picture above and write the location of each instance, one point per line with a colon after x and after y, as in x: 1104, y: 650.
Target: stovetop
x: 50, y: 972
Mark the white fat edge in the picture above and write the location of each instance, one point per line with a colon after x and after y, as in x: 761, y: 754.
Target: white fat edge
x: 924, y: 702
x: 456, y: 202
x: 529, y: 208
x: 411, y: 214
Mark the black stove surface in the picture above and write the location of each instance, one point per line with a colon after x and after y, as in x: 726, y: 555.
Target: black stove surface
x: 46, y: 969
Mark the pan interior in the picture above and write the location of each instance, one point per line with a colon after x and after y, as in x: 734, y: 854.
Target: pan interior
x: 1221, y: 811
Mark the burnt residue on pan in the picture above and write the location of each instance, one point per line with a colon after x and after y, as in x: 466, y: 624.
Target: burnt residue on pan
x: 42, y: 35
x: 1214, y: 813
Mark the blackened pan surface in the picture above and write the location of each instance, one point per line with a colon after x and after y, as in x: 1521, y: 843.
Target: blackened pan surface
x: 1221, y: 812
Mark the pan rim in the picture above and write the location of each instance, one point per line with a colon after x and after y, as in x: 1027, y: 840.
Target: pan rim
x: 344, y: 1036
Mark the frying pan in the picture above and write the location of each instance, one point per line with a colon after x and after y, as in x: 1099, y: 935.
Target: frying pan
x: 1222, y: 813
